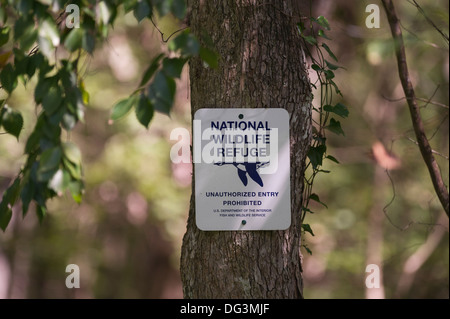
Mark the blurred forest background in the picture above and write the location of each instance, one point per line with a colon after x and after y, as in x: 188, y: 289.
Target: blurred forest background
x: 126, y: 234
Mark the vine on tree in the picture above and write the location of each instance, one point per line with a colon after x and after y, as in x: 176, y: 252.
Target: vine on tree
x: 328, y: 111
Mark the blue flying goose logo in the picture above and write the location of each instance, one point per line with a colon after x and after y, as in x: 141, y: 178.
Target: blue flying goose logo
x: 244, y: 169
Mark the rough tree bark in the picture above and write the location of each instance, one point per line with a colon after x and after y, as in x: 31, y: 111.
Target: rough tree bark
x: 261, y: 65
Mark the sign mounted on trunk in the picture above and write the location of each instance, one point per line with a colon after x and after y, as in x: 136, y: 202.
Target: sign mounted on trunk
x: 242, y: 169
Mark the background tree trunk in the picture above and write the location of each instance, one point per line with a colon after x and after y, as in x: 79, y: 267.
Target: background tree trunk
x: 261, y: 65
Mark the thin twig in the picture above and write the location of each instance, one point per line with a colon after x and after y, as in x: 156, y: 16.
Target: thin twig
x: 445, y: 36
x: 438, y: 127
x: 418, y: 99
x: 434, y: 45
x: 162, y: 33
x: 385, y: 208
x: 433, y: 151
x: 414, y: 110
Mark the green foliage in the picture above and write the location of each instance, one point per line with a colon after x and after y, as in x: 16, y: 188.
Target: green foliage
x: 144, y: 110
x: 161, y: 92
x: 307, y: 228
x: 4, y: 35
x: 31, y: 32
x: 325, y: 84
x: 11, y: 120
x: 335, y: 127
x: 121, y: 108
x: 9, y: 197
x: 151, y: 69
x: 8, y: 78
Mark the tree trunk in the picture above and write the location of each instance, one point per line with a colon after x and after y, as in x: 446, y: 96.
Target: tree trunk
x: 262, y: 65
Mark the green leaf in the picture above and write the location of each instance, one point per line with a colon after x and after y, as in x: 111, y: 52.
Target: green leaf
x: 49, y: 163
x: 307, y: 228
x: 315, y: 154
x: 316, y: 198
x: 316, y: 68
x: 4, y: 35
x: 33, y: 140
x: 34, y: 62
x: 327, y: 48
x: 322, y: 34
x: 210, y: 57
x: 186, y: 43
x: 339, y: 109
x: 329, y: 74
x: 12, y: 192
x: 72, y: 152
x: 56, y: 182
x: 335, y: 127
x: 179, y: 8
x: 144, y: 110
x: 42, y: 88
x: 8, y: 200
x: 332, y: 66
x: 5, y: 215
x: 335, y: 87
x: 163, y: 6
x: 307, y: 249
x: 52, y: 100
x: 74, y: 39
x: 68, y: 121
x: 161, y: 93
x: 24, y: 6
x: 26, y: 196
x: 301, y: 27
x: 73, y: 169
x: 333, y: 159
x: 28, y: 38
x: 322, y: 21
x: 310, y: 39
x: 122, y: 107
x: 142, y: 10
x: 21, y: 61
x: 76, y: 190
x: 151, y: 69
x: 41, y: 211
x: 88, y: 41
x: 12, y: 121
x: 129, y: 5
x: 173, y: 67
x: 85, y: 97
x: 8, y: 78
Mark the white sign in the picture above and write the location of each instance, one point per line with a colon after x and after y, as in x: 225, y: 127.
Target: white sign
x: 242, y: 169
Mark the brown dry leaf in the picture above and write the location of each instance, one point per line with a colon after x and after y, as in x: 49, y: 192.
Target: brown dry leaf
x: 384, y: 158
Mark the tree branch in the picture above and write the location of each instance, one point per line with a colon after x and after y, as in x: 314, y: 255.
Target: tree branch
x: 414, y: 110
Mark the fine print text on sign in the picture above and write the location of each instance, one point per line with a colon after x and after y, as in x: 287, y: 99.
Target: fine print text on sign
x: 242, y: 169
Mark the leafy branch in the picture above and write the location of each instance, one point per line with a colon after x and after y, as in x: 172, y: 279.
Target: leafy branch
x: 31, y: 32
